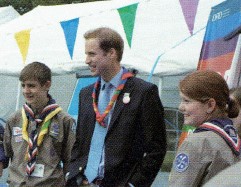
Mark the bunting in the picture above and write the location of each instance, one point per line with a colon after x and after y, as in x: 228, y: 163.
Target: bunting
x: 70, y: 28
x: 189, y: 9
x: 128, y: 15
x: 22, y: 38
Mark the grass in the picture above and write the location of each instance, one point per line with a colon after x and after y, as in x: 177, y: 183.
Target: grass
x: 168, y: 160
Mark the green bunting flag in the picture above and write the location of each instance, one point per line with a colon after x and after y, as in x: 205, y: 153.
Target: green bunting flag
x: 127, y: 15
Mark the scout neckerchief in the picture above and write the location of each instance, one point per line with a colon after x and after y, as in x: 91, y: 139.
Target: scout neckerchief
x: 100, y: 117
x: 35, y: 139
x: 224, y: 128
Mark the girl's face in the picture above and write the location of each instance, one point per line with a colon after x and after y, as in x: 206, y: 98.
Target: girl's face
x: 195, y: 112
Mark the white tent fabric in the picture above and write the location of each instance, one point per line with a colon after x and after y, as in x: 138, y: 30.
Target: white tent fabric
x: 7, y: 14
x: 46, y: 15
x: 40, y: 18
x: 159, y: 25
x: 47, y: 43
x: 160, y: 32
x: 7, y: 105
x: 182, y: 55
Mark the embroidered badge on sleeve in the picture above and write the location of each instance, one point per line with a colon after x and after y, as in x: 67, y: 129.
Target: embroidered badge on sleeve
x: 181, y: 162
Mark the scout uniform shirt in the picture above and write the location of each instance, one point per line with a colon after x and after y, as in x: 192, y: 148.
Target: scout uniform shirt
x: 230, y: 177
x: 56, y: 147
x: 201, y: 156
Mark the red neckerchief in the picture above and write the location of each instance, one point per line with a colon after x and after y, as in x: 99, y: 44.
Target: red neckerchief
x: 100, y: 117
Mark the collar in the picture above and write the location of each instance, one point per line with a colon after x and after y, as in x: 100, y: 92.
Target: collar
x: 115, y: 81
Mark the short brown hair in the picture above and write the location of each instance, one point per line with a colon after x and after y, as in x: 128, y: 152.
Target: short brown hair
x: 36, y: 71
x: 108, y: 38
x: 202, y: 85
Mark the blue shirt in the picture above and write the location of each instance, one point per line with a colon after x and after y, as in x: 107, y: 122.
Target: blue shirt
x: 115, y: 81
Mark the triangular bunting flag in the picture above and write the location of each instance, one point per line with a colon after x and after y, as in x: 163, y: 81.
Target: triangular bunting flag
x: 189, y: 9
x: 128, y: 15
x: 70, y: 30
x: 23, y: 38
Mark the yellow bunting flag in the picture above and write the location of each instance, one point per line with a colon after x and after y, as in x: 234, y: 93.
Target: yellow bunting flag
x: 22, y: 38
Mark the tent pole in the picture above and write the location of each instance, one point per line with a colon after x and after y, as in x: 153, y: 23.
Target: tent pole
x: 18, y: 96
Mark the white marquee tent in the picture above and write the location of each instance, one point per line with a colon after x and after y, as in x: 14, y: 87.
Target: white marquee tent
x: 159, y: 40
x: 7, y: 14
x: 158, y: 26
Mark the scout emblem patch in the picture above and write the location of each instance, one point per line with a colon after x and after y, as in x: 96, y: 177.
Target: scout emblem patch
x: 54, y: 130
x: 181, y: 162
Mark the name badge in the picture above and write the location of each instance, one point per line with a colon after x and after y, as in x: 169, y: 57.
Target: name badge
x: 17, y: 131
x: 18, y: 138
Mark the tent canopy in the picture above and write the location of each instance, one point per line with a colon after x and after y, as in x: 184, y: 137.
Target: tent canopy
x: 161, y: 37
x: 7, y: 14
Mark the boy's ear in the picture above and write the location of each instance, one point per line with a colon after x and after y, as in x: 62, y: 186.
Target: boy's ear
x: 48, y: 85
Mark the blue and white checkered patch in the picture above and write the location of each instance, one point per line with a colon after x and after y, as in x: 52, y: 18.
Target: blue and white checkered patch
x: 181, y: 162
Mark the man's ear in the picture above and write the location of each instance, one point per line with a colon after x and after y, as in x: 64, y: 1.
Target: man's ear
x: 112, y: 53
x: 211, y: 105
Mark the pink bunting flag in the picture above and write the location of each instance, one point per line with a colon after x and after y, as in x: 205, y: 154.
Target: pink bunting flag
x: 189, y: 9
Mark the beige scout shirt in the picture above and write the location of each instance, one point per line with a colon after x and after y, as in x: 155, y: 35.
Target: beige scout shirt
x: 54, y: 149
x: 230, y: 177
x: 201, y: 156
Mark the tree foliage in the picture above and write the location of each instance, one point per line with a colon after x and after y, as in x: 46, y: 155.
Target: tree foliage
x: 23, y: 6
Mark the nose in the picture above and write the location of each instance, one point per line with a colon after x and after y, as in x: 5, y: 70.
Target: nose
x: 25, y: 89
x: 181, y: 107
x: 87, y: 59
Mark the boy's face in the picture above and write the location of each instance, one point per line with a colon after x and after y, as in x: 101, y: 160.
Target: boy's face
x: 35, y: 94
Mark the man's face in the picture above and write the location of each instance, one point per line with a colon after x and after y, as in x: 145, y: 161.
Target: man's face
x: 98, y: 60
x: 35, y: 94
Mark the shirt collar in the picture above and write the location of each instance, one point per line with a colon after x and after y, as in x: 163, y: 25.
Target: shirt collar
x: 115, y: 81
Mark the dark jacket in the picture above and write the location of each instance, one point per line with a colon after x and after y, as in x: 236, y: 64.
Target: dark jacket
x: 3, y: 158
x: 135, y: 144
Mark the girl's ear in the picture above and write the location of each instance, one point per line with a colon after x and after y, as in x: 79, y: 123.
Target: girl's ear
x: 211, y: 105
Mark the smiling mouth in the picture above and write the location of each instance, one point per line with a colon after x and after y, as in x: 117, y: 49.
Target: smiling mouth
x: 92, y: 68
x: 28, y: 97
